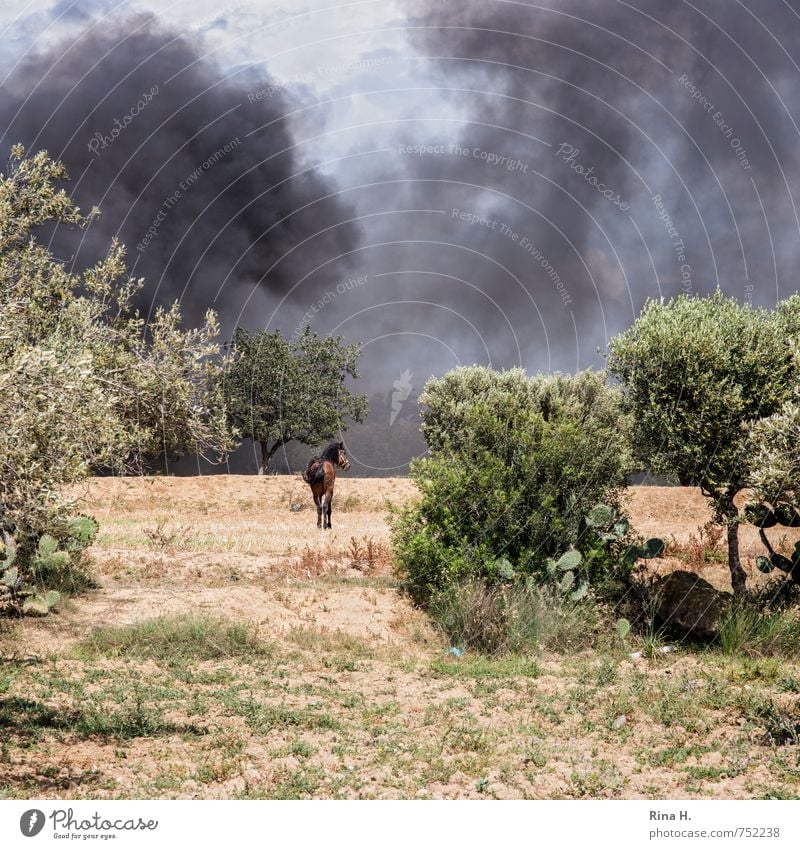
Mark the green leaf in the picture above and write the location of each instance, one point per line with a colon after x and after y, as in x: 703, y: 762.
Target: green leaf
x: 504, y: 569
x: 82, y: 530
x: 631, y: 555
x: 566, y: 581
x: 654, y: 547
x: 52, y: 598
x: 623, y: 628
x: 578, y: 594
x: 569, y: 560
x: 10, y: 577
x: 47, y: 545
x: 35, y: 607
x: 763, y: 564
x: 622, y: 527
x: 600, y: 516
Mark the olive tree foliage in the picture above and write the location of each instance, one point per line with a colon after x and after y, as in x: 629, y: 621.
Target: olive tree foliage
x: 515, y: 465
x: 699, y: 374
x: 278, y: 390
x: 775, y: 442
x: 775, y: 481
x: 83, y: 382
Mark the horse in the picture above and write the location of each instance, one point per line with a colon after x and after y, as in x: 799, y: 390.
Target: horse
x: 320, y: 475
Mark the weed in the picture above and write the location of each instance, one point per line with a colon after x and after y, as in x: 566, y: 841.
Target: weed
x: 180, y: 638
x: 312, y: 561
x: 748, y: 630
x: 701, y: 548
x: 368, y: 555
x: 781, y: 726
x: 301, y: 749
x: 166, y: 538
x: 513, y: 619
x: 349, y: 504
x: 482, y: 667
x: 327, y: 642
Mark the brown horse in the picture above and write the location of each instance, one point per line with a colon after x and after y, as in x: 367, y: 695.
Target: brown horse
x: 320, y: 475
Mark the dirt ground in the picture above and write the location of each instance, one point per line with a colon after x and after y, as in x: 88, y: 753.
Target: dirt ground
x: 354, y: 694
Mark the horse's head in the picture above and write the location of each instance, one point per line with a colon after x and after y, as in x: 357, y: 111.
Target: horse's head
x: 342, y: 460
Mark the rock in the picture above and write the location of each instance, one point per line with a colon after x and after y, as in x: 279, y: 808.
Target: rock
x: 685, y: 602
x: 619, y: 721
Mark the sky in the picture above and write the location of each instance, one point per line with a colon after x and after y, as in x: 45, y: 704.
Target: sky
x: 449, y: 182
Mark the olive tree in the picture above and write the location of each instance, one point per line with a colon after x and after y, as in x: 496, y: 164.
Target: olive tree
x: 278, y: 390
x: 697, y: 372
x: 775, y: 480
x: 83, y: 382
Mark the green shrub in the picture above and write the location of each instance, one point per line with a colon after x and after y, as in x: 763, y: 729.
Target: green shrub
x: 36, y: 569
x: 512, y: 618
x: 515, y: 466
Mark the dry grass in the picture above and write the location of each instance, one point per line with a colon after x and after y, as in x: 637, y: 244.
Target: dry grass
x: 705, y: 546
x: 253, y: 656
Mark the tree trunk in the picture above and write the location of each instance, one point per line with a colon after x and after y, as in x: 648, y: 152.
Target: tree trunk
x: 738, y: 575
x: 266, y: 456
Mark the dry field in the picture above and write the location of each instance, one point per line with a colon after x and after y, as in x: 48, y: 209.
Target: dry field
x: 326, y: 683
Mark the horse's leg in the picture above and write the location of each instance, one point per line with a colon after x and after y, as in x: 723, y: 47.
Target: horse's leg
x: 318, y: 502
x: 328, y: 499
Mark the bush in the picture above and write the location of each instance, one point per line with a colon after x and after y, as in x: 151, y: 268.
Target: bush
x: 515, y: 466
x: 515, y: 618
x: 35, y: 570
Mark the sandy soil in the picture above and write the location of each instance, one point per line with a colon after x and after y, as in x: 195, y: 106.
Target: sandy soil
x: 359, y: 698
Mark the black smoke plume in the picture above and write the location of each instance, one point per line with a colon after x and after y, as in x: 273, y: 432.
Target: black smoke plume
x: 684, y: 114
x: 194, y: 168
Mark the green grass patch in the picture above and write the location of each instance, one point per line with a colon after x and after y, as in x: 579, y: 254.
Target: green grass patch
x: 480, y: 666
x: 179, y: 638
x: 751, y: 631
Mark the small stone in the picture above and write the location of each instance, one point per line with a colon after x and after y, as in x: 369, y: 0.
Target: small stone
x: 619, y: 721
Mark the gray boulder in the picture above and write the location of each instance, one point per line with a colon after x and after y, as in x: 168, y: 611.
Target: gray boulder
x: 686, y: 603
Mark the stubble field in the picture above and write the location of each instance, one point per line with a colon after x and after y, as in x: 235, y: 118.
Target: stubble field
x: 232, y: 650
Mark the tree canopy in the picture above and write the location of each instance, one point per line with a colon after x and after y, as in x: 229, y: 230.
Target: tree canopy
x: 277, y: 390
x: 698, y: 373
x: 84, y: 383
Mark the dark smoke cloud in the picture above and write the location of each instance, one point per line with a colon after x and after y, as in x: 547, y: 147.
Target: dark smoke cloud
x: 194, y: 168
x: 615, y: 82
x: 486, y: 247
